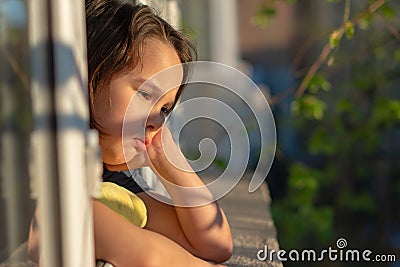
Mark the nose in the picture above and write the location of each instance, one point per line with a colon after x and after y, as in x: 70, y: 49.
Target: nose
x: 155, y: 121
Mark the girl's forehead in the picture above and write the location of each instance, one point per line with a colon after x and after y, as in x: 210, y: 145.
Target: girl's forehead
x: 159, y: 59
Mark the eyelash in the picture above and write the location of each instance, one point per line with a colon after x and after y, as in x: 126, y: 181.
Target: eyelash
x: 145, y: 95
x: 166, y: 110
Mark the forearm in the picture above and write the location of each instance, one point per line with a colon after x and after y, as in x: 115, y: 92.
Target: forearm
x: 207, y: 230
x: 201, y: 219
x: 123, y: 244
x: 205, y: 226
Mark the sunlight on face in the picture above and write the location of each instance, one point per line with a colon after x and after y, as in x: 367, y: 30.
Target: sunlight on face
x: 142, y: 102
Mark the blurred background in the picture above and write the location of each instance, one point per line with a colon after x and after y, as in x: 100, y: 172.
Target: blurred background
x: 16, y: 124
x: 331, y: 72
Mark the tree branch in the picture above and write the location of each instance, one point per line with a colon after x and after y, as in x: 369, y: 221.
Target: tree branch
x: 327, y: 48
x: 15, y: 66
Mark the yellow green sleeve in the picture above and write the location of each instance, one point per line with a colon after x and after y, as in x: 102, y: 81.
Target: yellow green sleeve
x: 124, y: 202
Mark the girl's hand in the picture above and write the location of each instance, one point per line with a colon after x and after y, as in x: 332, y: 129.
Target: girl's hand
x: 164, y: 155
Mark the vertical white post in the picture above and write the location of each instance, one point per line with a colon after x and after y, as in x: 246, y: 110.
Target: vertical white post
x: 224, y: 48
x: 44, y: 161
x: 59, y: 88
x: 70, y: 73
x: 224, y: 31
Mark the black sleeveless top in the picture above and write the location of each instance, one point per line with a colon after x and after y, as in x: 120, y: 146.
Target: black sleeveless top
x: 121, y: 179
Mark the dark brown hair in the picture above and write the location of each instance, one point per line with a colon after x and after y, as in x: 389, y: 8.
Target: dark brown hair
x: 116, y: 33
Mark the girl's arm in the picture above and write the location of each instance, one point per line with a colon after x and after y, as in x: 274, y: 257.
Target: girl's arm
x: 205, y: 227
x: 123, y: 244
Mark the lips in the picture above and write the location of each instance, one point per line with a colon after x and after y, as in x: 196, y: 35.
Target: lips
x: 140, y: 144
x: 147, y: 141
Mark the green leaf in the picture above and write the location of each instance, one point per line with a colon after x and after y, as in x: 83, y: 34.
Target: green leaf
x: 394, y: 107
x: 361, y: 202
x: 388, y: 12
x: 319, y: 82
x: 349, y: 29
x: 365, y: 23
x: 263, y: 15
x: 260, y: 20
x: 323, y: 217
x: 334, y: 39
x: 303, y: 183
x: 343, y: 106
x: 397, y: 55
x: 322, y: 143
x: 268, y: 11
x: 386, y: 113
x: 310, y: 107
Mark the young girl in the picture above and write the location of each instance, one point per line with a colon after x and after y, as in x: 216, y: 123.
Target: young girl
x: 128, y: 44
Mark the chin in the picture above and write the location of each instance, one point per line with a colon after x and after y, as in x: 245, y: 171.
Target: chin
x: 137, y: 160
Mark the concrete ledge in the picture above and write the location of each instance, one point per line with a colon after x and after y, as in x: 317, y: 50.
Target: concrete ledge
x: 251, y: 223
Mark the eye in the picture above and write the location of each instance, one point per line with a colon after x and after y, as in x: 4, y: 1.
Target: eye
x: 165, y: 110
x: 145, y: 95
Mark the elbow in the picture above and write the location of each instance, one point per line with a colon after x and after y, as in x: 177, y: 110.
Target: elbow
x: 224, y: 254
x: 218, y: 252
x: 224, y: 248
x: 225, y: 251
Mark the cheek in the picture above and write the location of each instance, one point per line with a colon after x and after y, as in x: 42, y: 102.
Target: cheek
x: 110, y: 115
x: 136, y: 116
x: 111, y: 121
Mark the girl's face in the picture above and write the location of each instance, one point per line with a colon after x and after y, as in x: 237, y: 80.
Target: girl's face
x: 144, y: 114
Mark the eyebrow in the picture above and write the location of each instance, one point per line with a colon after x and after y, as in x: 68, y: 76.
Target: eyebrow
x: 147, y: 83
